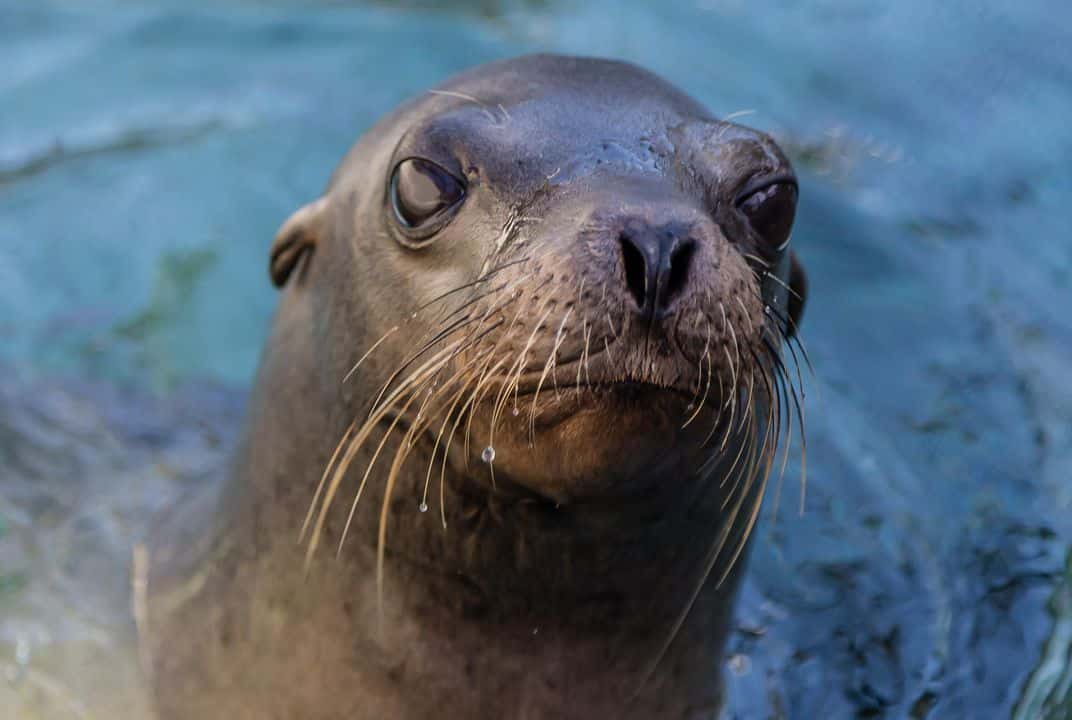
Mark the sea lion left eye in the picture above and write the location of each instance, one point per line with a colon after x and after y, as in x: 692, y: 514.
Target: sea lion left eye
x: 770, y: 211
x: 421, y: 191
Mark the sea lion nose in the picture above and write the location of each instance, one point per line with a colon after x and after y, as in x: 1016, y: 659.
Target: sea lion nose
x: 656, y: 264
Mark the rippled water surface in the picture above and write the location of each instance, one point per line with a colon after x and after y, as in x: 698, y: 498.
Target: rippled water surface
x: 149, y: 151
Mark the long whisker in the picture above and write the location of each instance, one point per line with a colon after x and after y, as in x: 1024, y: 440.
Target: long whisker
x: 707, y: 387
x: 515, y: 376
x: 551, y: 357
x: 392, y: 476
x: 323, y: 479
x: 439, y: 436
x: 423, y: 372
x: 768, y: 274
x: 483, y: 278
x: 368, y: 471
x: 440, y: 336
x: 368, y: 352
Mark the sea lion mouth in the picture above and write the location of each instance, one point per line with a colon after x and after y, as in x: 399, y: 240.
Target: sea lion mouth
x: 625, y: 388
x: 579, y: 378
x: 551, y: 405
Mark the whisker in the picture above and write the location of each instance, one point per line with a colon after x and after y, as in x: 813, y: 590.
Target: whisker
x: 767, y: 274
x: 559, y: 337
x: 369, y: 352
x: 504, y: 392
x: 484, y: 377
x: 707, y: 387
x: 477, y: 395
x: 483, y: 278
x: 368, y: 471
x: 323, y: 479
x: 745, y: 314
x: 443, y: 334
x: 464, y: 372
x: 426, y: 370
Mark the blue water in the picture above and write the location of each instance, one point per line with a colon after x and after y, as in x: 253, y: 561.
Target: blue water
x: 148, y: 152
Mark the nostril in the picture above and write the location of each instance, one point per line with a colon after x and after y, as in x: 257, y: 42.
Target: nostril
x: 636, y: 274
x: 680, y: 262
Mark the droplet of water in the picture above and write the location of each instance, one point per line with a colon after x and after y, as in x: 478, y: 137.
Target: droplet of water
x: 488, y: 455
x: 413, y: 315
x: 423, y: 507
x: 22, y: 652
x: 766, y: 309
x: 22, y: 662
x: 690, y: 406
x: 740, y: 665
x: 515, y: 412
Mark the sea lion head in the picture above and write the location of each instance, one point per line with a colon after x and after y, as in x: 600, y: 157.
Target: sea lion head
x: 564, y: 276
x: 548, y: 299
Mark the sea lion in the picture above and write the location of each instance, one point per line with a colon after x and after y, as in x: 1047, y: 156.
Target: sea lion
x: 512, y: 425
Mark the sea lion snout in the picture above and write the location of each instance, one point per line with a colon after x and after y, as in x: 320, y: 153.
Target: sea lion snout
x: 656, y: 263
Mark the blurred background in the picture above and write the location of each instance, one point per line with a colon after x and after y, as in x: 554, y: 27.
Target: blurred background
x: 149, y: 151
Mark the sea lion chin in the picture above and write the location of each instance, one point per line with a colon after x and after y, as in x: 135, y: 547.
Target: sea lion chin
x: 596, y: 444
x: 513, y: 423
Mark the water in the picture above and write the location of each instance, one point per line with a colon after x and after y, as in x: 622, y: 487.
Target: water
x: 148, y: 152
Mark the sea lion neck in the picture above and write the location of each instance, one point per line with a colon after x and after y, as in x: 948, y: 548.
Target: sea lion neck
x: 535, y: 611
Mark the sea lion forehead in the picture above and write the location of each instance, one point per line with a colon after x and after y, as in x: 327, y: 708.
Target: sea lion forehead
x: 578, y: 83
x: 532, y: 144
x: 557, y: 116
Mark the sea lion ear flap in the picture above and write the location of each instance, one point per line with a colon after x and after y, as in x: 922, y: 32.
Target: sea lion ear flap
x: 299, y: 235
x: 798, y: 292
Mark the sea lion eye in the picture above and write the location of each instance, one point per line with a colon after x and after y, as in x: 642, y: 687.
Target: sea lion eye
x: 770, y: 210
x: 421, y: 194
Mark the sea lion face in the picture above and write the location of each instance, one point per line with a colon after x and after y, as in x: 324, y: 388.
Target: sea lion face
x: 566, y: 269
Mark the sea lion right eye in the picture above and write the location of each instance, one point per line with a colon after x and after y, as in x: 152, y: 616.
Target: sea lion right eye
x: 770, y: 210
x: 423, y: 194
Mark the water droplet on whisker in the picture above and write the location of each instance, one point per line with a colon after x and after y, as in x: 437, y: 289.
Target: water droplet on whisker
x: 488, y: 455
x: 423, y: 507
